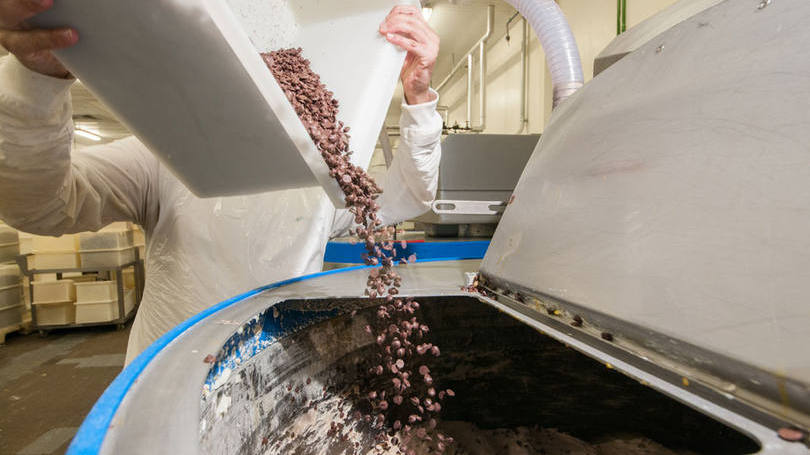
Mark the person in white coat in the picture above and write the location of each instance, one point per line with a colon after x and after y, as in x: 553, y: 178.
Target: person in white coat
x: 199, y: 251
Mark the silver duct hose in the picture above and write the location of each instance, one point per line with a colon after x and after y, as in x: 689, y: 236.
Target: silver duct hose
x: 559, y: 45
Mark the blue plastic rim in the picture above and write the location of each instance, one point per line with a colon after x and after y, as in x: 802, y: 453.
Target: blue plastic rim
x: 91, y: 434
x: 347, y: 253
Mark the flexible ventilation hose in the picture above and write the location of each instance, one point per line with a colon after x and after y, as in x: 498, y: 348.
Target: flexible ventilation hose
x: 559, y: 45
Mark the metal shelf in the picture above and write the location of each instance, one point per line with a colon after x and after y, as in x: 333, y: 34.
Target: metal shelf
x: 137, y: 265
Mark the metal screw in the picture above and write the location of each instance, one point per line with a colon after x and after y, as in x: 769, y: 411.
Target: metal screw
x: 763, y: 4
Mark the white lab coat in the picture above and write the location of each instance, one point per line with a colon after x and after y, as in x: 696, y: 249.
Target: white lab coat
x: 199, y: 251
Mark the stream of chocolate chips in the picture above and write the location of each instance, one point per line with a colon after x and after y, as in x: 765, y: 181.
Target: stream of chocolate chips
x: 408, y: 402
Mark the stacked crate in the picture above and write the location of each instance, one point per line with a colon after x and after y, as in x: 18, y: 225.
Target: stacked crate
x: 52, y: 298
x: 53, y: 253
x: 98, y: 302
x: 75, y: 276
x: 110, y: 247
x: 54, y: 302
x: 11, y: 292
x: 9, y: 244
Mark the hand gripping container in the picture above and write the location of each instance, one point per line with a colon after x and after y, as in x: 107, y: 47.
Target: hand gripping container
x: 185, y: 76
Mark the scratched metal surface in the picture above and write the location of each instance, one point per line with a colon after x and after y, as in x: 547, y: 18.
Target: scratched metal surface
x: 505, y: 374
x: 183, y: 405
x: 671, y: 193
x: 161, y: 412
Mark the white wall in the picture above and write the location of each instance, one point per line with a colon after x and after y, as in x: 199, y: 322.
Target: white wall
x: 594, y: 25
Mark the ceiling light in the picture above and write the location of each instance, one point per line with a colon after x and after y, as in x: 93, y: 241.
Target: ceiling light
x: 87, y: 135
x: 427, y: 12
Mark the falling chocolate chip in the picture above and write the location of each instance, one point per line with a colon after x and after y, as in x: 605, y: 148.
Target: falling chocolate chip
x: 397, y: 326
x: 791, y: 434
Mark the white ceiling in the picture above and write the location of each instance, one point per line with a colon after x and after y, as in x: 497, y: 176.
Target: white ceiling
x: 91, y: 115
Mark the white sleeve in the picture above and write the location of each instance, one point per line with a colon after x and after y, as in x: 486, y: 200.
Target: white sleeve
x: 411, y: 182
x: 46, y: 192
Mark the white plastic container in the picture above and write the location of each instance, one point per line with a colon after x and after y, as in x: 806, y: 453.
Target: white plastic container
x: 103, y: 311
x: 107, y: 258
x: 232, y: 129
x: 117, y: 226
x: 10, y: 315
x: 26, y: 243
x: 54, y: 261
x: 10, y: 295
x: 55, y: 313
x: 54, y: 291
x: 97, y: 291
x: 105, y: 240
x: 46, y: 277
x: 9, y: 275
x: 8, y: 235
x: 42, y: 244
x: 9, y: 252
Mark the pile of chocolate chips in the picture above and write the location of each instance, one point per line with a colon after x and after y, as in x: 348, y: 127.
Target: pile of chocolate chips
x: 408, y: 389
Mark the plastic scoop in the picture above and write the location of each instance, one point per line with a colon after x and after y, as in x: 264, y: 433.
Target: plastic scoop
x: 185, y: 76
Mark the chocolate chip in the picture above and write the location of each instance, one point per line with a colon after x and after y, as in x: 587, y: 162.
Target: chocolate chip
x: 396, y: 324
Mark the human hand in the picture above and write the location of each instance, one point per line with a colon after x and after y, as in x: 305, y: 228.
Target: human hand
x: 33, y: 47
x: 405, y: 27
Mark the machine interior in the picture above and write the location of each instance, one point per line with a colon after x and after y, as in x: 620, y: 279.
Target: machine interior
x: 505, y: 375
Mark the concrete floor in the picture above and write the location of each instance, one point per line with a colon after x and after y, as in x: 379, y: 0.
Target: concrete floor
x: 48, y: 385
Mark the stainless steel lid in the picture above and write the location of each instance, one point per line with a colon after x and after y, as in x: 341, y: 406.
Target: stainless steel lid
x: 668, y: 203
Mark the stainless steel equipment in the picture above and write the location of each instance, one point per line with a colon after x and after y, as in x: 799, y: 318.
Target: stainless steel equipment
x: 477, y: 175
x: 642, y: 33
x: 276, y: 351
x: 669, y: 202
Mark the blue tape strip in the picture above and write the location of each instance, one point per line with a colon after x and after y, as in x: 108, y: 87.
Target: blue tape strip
x: 91, y: 434
x: 346, y: 253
